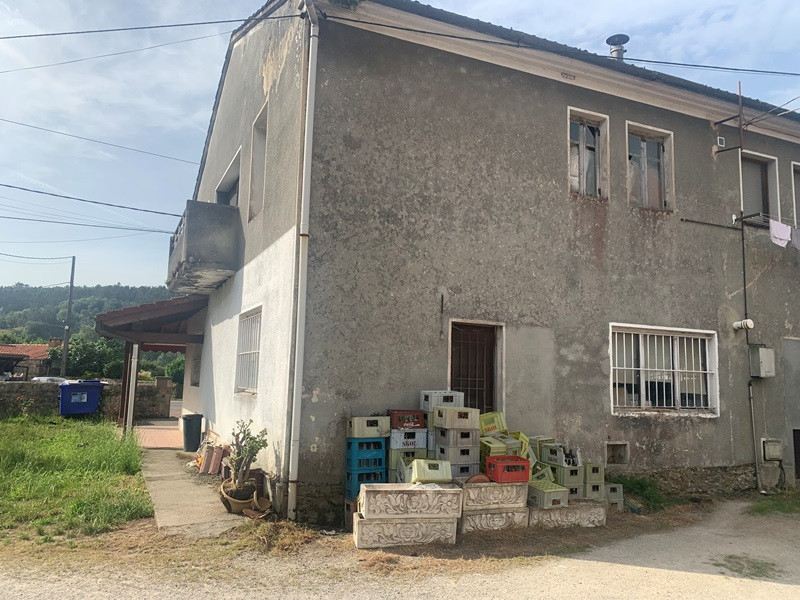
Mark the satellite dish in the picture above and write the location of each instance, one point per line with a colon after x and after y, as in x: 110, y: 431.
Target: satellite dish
x: 618, y: 39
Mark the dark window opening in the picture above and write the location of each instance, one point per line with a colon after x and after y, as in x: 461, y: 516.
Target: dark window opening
x: 472, y: 366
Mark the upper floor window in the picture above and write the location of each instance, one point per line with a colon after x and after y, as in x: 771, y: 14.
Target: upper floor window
x: 760, y: 187
x: 248, y: 351
x: 258, y: 163
x: 228, y: 186
x: 796, y: 190
x: 649, y: 167
x: 588, y: 171
x: 657, y: 369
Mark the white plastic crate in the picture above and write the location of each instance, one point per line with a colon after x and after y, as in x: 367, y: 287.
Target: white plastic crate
x: 408, y: 438
x: 368, y: 427
x: 457, y: 437
x: 428, y: 399
x: 458, y: 456
x: 431, y: 445
x: 447, y: 417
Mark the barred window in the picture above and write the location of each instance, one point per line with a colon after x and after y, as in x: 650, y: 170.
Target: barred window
x: 663, y: 369
x: 247, y: 352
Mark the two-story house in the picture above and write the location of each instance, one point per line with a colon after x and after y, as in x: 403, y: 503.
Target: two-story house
x: 395, y: 198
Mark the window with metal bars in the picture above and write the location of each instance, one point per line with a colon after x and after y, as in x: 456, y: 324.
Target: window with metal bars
x: 657, y: 369
x: 472, y: 364
x: 247, y: 352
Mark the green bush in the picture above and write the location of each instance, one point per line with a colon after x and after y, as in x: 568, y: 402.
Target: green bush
x: 643, y: 488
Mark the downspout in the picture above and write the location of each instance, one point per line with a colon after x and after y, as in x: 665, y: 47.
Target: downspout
x: 302, y: 275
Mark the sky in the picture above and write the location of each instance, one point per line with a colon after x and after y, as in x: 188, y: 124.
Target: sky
x: 160, y: 100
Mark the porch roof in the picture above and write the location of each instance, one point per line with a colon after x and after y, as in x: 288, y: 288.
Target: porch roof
x: 159, y: 326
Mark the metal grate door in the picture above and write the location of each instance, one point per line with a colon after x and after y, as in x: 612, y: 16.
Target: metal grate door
x: 472, y: 355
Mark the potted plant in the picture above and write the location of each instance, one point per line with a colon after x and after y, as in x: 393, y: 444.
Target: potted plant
x: 239, y: 491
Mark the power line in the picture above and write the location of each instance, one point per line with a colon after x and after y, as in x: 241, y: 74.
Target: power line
x: 120, y: 53
x: 28, y: 262
x: 145, y: 210
x: 49, y: 211
x: 715, y: 67
x: 522, y: 44
x: 36, y: 257
x: 87, y: 225
x: 113, y: 237
x: 144, y: 27
x: 86, y: 139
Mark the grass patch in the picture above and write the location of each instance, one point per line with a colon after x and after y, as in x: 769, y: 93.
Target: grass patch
x: 786, y: 502
x: 643, y: 488
x: 66, y: 476
x: 748, y: 567
x: 283, y: 537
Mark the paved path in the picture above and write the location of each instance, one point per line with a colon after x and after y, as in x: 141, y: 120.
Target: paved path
x: 184, y: 504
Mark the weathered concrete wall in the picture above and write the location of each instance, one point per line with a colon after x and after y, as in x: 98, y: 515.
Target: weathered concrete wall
x: 439, y: 176
x: 266, y: 68
x: 18, y: 398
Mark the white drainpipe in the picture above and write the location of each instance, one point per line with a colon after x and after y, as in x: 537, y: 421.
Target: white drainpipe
x: 302, y: 275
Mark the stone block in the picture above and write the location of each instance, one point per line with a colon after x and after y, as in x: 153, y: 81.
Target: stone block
x: 493, y: 496
x: 384, y: 533
x: 582, y: 513
x: 490, y: 520
x: 410, y: 501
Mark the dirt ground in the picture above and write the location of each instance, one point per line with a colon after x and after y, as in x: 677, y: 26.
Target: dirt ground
x: 695, y: 550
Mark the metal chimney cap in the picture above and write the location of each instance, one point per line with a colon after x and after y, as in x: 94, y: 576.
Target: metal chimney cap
x: 618, y: 39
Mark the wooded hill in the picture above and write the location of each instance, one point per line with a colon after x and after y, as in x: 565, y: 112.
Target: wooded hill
x: 30, y: 313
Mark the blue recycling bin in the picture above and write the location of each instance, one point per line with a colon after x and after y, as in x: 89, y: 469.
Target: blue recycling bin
x: 81, y: 397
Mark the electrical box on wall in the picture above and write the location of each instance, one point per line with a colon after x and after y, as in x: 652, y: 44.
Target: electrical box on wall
x: 772, y: 448
x: 762, y: 362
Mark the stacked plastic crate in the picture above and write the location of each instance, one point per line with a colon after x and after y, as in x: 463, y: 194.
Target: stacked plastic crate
x: 365, y: 457
x: 456, y: 437
x: 408, y: 438
x: 567, y: 467
x: 495, y: 439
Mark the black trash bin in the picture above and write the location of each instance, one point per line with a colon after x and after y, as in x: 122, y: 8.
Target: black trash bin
x: 192, y: 428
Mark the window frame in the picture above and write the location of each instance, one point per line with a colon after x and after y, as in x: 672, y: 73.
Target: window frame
x: 772, y: 182
x: 258, y: 163
x: 602, y: 152
x: 230, y: 180
x: 676, y: 408
x: 253, y: 355
x: 666, y: 161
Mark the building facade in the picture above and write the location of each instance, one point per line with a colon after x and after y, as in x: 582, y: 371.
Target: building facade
x: 550, y: 231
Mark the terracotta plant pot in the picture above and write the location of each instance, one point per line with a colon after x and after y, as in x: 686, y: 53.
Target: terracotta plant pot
x: 232, y: 504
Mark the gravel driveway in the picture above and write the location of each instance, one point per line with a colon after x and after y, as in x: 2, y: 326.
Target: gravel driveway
x: 730, y: 555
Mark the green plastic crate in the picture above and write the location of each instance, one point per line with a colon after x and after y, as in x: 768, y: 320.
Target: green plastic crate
x: 546, y: 494
x: 594, y: 491
x: 395, y: 454
x: 424, y: 470
x: 492, y: 423
x: 568, y: 476
x: 594, y: 473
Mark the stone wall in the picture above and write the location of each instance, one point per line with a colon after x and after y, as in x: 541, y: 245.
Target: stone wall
x: 18, y: 398
x: 716, y: 481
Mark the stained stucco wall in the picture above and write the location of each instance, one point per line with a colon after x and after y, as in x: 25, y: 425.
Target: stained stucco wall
x: 266, y: 68
x: 437, y: 176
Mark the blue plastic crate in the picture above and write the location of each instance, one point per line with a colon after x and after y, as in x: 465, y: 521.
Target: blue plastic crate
x: 365, y: 454
x: 354, y: 479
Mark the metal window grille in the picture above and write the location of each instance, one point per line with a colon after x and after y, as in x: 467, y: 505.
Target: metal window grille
x: 661, y: 370
x: 247, y: 353
x: 472, y: 364
x: 584, y: 140
x: 646, y: 181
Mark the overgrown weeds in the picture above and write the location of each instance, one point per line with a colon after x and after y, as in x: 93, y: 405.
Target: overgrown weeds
x: 283, y: 537
x: 68, y: 476
x: 787, y: 502
x: 644, y: 489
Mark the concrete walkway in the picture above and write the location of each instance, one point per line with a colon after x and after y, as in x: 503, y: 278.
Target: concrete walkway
x: 185, y: 503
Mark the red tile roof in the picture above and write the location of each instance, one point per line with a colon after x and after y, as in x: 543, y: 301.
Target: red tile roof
x: 32, y: 351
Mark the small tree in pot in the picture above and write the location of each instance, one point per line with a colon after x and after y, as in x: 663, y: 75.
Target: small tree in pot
x: 245, y: 446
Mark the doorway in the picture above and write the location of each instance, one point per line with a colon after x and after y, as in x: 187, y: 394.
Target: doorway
x: 473, y: 350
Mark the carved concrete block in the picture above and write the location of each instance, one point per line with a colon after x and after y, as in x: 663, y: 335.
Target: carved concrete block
x: 489, y: 520
x: 410, y: 501
x: 580, y: 513
x: 383, y: 533
x: 493, y: 496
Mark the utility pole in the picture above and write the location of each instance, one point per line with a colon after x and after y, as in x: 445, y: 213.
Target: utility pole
x: 65, y: 347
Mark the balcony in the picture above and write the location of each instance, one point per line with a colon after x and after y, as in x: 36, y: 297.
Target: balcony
x: 204, y: 251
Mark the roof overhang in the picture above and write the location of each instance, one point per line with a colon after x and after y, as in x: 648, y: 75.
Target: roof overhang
x: 159, y: 326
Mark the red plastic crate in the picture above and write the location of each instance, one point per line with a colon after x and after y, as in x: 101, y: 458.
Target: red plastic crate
x: 407, y: 419
x: 507, y: 469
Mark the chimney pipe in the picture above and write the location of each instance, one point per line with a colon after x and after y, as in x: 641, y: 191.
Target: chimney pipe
x: 617, y: 43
